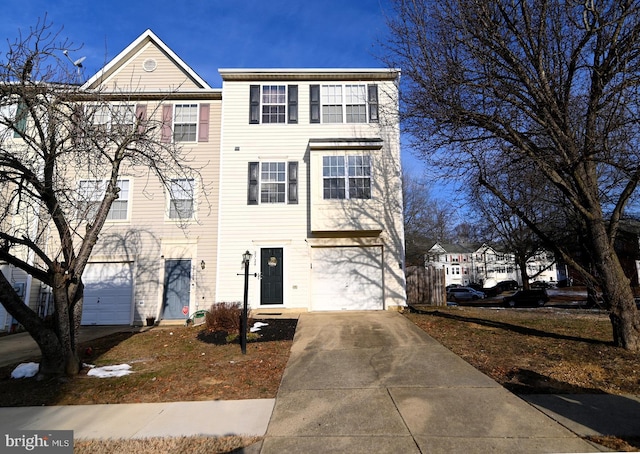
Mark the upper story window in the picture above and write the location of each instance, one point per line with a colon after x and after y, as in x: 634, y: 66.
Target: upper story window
x: 343, y: 103
x: 273, y: 104
x: 109, y: 117
x: 181, y: 199
x: 91, y: 194
x: 346, y: 177
x: 273, y: 182
x: 13, y: 117
x: 185, y: 123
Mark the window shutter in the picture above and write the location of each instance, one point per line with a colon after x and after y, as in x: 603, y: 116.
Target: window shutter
x: 167, y: 113
x: 141, y: 117
x: 20, y: 121
x: 293, y: 182
x: 77, y: 121
x: 254, y: 104
x: 373, y: 103
x: 293, y: 104
x: 252, y: 197
x: 314, y: 107
x: 203, y: 126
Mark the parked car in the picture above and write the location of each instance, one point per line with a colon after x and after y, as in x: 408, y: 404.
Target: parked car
x: 527, y: 298
x: 464, y: 294
x: 507, y: 285
x: 543, y: 284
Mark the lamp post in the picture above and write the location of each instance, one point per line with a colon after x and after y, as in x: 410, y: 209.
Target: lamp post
x: 246, y: 257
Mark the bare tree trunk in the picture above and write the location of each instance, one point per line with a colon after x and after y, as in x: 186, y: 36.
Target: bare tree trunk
x: 65, y: 324
x: 522, y: 265
x: 616, y: 290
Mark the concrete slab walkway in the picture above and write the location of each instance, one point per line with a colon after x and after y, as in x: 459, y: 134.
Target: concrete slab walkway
x: 363, y: 382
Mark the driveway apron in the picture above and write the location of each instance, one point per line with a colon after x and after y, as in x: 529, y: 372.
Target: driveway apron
x: 363, y: 382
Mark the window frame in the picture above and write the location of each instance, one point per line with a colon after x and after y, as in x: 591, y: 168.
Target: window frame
x: 171, y: 200
x: 340, y: 103
x: 97, y: 195
x: 194, y: 122
x: 287, y: 183
x: 285, y: 103
x: 343, y: 175
x: 105, y: 112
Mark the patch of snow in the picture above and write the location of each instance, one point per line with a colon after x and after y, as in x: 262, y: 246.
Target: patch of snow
x: 256, y: 326
x: 25, y: 370
x: 119, y: 370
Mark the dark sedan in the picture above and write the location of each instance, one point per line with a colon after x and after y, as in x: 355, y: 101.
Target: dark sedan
x: 527, y: 298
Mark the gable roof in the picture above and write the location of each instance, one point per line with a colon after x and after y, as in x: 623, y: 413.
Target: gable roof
x: 131, y: 50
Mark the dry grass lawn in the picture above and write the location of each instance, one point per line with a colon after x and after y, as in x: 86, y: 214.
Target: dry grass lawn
x: 541, y: 350
x: 538, y: 351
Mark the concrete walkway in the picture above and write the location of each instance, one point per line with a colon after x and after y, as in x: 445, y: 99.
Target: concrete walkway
x: 360, y: 382
x: 373, y: 382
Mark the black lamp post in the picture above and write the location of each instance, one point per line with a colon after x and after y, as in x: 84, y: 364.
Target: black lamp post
x: 246, y: 258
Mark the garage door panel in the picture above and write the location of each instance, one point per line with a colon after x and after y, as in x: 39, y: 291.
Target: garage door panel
x: 347, y: 278
x: 107, y: 294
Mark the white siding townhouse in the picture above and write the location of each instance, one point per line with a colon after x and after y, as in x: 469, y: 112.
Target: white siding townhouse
x: 486, y: 265
x: 300, y: 167
x: 310, y: 186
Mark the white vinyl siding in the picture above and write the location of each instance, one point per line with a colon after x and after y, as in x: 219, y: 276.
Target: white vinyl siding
x: 248, y: 224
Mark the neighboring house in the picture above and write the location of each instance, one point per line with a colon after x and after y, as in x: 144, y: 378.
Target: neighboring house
x: 310, y: 186
x: 485, y: 264
x: 156, y: 256
x: 300, y: 167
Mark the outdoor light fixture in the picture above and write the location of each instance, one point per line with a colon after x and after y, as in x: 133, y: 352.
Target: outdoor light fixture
x: 246, y: 258
x: 202, y: 264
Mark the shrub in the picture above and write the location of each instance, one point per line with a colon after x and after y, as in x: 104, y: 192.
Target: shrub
x: 225, y: 317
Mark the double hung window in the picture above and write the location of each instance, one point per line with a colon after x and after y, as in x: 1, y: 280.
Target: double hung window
x: 273, y: 182
x: 348, y: 103
x: 346, y: 177
x: 273, y: 104
x: 185, y: 123
x: 90, y: 196
x: 109, y: 117
x: 181, y: 199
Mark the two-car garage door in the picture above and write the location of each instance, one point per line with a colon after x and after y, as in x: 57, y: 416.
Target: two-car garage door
x: 108, y: 293
x: 346, y: 278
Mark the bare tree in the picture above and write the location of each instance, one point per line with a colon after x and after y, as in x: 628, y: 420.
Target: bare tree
x: 425, y: 219
x: 550, y: 83
x: 51, y: 133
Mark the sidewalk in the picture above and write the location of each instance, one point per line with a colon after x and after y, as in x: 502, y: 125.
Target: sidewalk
x: 362, y: 382
x: 373, y: 382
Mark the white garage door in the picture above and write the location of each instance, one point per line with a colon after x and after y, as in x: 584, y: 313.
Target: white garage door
x: 107, y: 294
x: 347, y: 278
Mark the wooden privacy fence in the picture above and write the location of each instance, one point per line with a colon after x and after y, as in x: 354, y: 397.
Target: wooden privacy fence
x: 426, y: 286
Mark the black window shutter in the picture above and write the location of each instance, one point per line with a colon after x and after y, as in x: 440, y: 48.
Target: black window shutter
x: 314, y: 107
x: 293, y: 104
x: 21, y: 120
x: 293, y: 182
x: 252, y: 196
x: 254, y: 104
x: 373, y: 103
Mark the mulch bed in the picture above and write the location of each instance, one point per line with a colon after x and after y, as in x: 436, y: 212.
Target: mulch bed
x: 277, y: 329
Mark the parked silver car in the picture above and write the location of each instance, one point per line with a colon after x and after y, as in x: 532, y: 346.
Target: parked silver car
x: 464, y: 294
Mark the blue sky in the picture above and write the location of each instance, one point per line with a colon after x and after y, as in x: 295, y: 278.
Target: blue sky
x: 213, y: 34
